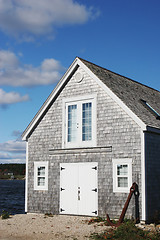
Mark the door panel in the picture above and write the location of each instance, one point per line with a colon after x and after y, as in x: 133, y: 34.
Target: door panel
x: 78, y: 183
x: 87, y: 183
x: 69, y: 182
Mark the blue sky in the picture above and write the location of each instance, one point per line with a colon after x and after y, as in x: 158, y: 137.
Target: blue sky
x: 40, y: 39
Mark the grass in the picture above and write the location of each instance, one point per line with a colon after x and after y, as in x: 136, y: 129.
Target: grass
x: 126, y: 231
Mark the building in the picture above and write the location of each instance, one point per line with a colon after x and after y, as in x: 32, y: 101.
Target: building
x: 96, y: 134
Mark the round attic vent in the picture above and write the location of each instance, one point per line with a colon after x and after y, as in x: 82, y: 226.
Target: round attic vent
x: 79, y: 77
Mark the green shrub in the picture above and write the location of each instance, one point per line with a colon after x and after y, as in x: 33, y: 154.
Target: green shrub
x: 4, y: 214
x: 126, y: 231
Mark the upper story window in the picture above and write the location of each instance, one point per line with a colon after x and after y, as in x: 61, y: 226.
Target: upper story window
x: 79, y: 123
x: 40, y: 175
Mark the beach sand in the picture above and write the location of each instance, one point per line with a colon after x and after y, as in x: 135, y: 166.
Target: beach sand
x: 41, y: 227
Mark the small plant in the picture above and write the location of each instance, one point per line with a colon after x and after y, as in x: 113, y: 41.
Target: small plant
x: 98, y: 219
x: 48, y: 215
x: 126, y: 231
x: 4, y: 214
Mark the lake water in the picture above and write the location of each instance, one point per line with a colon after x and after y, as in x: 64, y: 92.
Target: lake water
x: 12, y: 196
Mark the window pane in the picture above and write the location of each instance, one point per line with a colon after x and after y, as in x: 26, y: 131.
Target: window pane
x: 122, y: 169
x: 41, y: 171
x: 87, y: 121
x: 41, y: 181
x: 122, y: 182
x: 72, y: 123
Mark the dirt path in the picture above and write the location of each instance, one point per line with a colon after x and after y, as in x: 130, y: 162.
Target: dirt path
x: 40, y: 227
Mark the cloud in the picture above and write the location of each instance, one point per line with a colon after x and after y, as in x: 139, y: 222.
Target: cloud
x: 8, y: 60
x: 30, y: 18
x: 12, y: 146
x: 16, y: 133
x: 14, y: 73
x: 11, y: 97
x: 16, y: 158
x: 12, y: 152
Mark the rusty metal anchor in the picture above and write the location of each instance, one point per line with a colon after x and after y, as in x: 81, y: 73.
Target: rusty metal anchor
x: 132, y: 190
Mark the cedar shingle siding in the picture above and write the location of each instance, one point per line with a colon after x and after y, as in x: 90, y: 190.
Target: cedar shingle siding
x: 118, y: 136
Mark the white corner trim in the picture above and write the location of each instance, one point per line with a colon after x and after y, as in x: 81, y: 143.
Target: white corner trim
x: 143, y: 177
x: 26, y: 180
x: 113, y: 96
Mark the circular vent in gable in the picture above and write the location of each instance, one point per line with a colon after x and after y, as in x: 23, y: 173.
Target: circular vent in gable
x: 78, y: 77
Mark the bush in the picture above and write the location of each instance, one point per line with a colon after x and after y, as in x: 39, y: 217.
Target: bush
x: 4, y: 214
x: 126, y: 231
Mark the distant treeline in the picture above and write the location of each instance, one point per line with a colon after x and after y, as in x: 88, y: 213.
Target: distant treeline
x: 16, y: 169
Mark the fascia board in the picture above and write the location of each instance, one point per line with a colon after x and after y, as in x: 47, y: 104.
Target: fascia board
x: 50, y: 98
x: 141, y: 124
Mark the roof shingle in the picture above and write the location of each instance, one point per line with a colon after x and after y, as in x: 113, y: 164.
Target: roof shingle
x: 131, y: 93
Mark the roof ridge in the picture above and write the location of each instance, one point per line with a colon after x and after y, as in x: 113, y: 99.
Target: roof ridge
x: 119, y: 74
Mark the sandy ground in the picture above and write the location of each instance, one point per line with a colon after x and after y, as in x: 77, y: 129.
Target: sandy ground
x: 39, y: 227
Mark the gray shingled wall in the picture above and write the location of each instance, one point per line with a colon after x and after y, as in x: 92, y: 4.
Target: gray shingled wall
x: 114, y: 128
x: 152, y: 173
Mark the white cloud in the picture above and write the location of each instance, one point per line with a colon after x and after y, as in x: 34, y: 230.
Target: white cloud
x: 50, y: 65
x: 12, y: 146
x: 11, y: 97
x: 32, y: 17
x: 8, y: 60
x: 13, y: 158
x: 12, y: 152
x: 13, y: 73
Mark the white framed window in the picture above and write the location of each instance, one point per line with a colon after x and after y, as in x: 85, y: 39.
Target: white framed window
x: 79, y: 122
x: 41, y: 175
x: 122, y: 174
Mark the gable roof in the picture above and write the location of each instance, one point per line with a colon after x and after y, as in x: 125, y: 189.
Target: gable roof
x: 132, y: 93
x: 126, y: 92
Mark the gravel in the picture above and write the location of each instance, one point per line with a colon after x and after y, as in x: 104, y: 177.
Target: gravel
x: 39, y: 227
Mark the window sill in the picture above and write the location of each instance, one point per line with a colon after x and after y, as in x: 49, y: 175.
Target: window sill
x: 121, y: 190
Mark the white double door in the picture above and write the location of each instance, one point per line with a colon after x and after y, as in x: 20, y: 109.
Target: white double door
x: 78, y: 188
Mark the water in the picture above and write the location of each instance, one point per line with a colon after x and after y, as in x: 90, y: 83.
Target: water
x: 12, y: 196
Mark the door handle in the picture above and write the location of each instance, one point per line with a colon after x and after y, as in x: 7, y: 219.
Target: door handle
x: 79, y: 193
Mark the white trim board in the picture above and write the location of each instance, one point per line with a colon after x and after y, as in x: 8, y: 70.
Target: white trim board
x: 143, y: 176
x: 26, y: 180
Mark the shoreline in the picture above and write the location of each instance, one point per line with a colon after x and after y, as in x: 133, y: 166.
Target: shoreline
x: 13, y: 179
